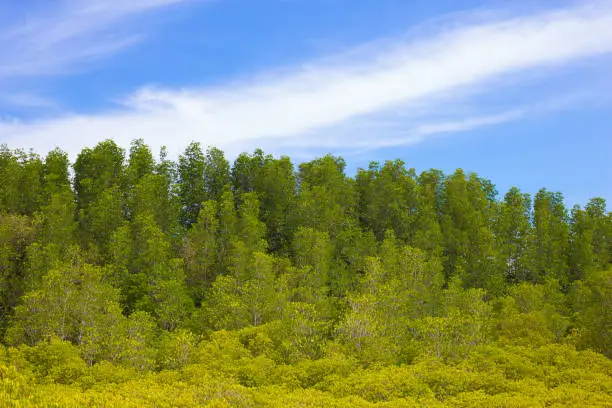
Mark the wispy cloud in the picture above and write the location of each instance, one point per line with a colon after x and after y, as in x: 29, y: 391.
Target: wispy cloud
x: 63, y: 34
x: 330, y: 97
x: 28, y: 101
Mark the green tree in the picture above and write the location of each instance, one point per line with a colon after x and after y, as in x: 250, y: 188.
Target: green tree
x: 153, y: 195
x: 97, y: 179
x: 30, y: 183
x: 551, y: 237
x: 428, y: 232
x: 10, y: 170
x: 191, y: 189
x: 97, y: 170
x: 21, y: 175
x: 399, y: 286
x: 388, y: 199
x: 327, y: 200
x: 56, y: 173
x: 140, y: 163
x: 202, y: 177
x: 589, y: 238
x: 591, y: 300
x: 216, y: 173
x: 200, y: 250
x: 102, y: 218
x: 57, y: 223
x: 276, y: 187
x: 246, y: 170
x: 514, y: 235
x: 533, y: 314
x: 228, y: 230
x: 71, y: 303
x: 464, y: 323
x: 240, y: 301
x: 17, y: 232
x: 310, y: 282
x: 468, y: 211
x: 150, y: 278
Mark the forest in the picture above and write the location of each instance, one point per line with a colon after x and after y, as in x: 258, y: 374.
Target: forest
x: 131, y: 280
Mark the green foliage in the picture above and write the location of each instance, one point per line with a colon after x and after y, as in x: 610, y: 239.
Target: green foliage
x: 152, y: 283
x: 200, y: 250
x: 21, y: 178
x: 72, y: 303
x: 17, y: 234
x: 552, y: 237
x: 592, y: 301
x: 176, y: 349
x: 531, y: 315
x: 202, y: 177
x: 515, y: 235
x: 389, y: 199
x: 55, y: 361
x: 467, y: 213
x: 96, y: 170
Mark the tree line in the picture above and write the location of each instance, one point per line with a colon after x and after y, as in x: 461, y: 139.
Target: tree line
x: 147, y: 264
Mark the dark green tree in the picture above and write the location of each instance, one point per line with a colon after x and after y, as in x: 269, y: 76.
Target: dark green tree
x: 191, y: 188
x: 514, y: 236
x: 428, y: 232
x: 468, y: 211
x: 388, y: 199
x: 550, y: 220
x: 97, y: 170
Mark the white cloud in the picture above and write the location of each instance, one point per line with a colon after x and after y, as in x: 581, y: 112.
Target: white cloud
x: 322, y: 103
x: 27, y: 100
x: 62, y: 34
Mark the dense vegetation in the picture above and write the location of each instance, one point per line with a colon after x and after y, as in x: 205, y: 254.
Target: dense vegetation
x: 129, y: 281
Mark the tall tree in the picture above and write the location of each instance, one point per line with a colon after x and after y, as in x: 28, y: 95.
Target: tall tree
x: 101, y: 220
x: 276, y: 186
x: 151, y: 279
x: 200, y: 250
x: 190, y: 186
x: 249, y: 238
x: 327, y: 200
x: 9, y: 179
x: 228, y: 227
x: 21, y: 177
x: 552, y: 236
x: 313, y: 255
x: 30, y: 183
x: 17, y: 232
x: 140, y: 162
x: 428, y: 232
x: 56, y: 172
x: 590, y: 238
x: 153, y: 195
x: 96, y: 170
x: 202, y: 177
x: 245, y: 171
x: 388, y: 199
x: 98, y: 174
x: 468, y: 212
x: 514, y: 236
x: 216, y: 173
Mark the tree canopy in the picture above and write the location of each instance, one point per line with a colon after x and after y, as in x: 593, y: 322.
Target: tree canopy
x: 130, y: 280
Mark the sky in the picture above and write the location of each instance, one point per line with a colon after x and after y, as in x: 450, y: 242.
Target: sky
x: 518, y: 91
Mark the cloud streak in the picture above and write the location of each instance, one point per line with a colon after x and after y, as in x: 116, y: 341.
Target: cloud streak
x: 327, y: 100
x: 67, y: 33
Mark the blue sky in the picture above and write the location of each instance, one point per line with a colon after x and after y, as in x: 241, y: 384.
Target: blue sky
x: 518, y: 91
